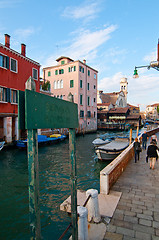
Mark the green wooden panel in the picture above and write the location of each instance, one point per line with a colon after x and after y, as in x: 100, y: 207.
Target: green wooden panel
x: 21, y: 109
x: 42, y: 111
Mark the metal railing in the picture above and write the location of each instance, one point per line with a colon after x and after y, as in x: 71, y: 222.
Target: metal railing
x: 70, y: 225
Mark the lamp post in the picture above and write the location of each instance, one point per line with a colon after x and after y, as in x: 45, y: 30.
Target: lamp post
x: 153, y: 64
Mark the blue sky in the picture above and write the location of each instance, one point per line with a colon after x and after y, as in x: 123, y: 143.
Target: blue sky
x: 113, y: 37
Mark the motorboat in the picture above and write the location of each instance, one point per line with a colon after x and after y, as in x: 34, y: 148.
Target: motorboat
x: 2, y: 145
x: 111, y: 150
x: 42, y: 140
x: 98, y: 142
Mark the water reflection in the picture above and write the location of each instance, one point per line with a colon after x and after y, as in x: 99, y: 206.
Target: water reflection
x: 54, y: 171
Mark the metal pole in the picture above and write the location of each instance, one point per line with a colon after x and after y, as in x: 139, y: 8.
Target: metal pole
x: 73, y: 183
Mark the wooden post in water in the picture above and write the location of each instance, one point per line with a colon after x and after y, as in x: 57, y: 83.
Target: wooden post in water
x: 130, y: 136
x: 137, y: 130
x: 73, y: 176
x: 33, y: 172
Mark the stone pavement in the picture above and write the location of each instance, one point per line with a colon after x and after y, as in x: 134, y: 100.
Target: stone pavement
x: 137, y: 213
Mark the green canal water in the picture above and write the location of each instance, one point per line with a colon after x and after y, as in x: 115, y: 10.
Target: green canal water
x: 54, y: 174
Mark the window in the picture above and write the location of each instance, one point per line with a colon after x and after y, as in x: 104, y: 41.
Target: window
x: 71, y: 83
x: 14, y: 97
x: 62, y: 62
x: 61, y: 97
x: 88, y: 72
x: 3, y: 94
x: 94, y: 114
x: 94, y: 86
x: 56, y: 72
x: 4, y: 61
x: 80, y: 83
x: 58, y: 84
x: 71, y: 69
x: 88, y: 101
x: 49, y: 73
x: 88, y: 86
x: 81, y: 69
x: 61, y: 71
x: 13, y: 65
x: 35, y: 74
x: 81, y: 99
x: 54, y: 84
x: 81, y: 113
x: 94, y: 100
x: 95, y: 76
x: 61, y: 84
x: 88, y: 114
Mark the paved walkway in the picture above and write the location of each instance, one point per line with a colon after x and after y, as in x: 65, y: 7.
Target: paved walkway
x: 137, y: 213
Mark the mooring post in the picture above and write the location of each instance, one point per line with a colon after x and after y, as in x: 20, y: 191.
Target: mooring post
x: 33, y: 172
x: 82, y: 223
x: 73, y: 176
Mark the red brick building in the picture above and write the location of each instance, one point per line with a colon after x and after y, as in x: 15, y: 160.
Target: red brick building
x: 15, y: 69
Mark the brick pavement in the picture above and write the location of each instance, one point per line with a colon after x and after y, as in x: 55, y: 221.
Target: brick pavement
x: 137, y: 213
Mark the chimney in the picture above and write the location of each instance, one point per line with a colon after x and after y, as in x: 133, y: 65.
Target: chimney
x: 23, y: 49
x: 158, y: 51
x: 7, y: 40
x: 84, y: 61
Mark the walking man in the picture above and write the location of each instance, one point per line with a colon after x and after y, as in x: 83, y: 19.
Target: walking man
x: 152, y: 153
x: 144, y: 138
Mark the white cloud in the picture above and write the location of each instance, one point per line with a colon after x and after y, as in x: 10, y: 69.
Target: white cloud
x: 85, y: 44
x: 86, y: 10
x: 150, y: 57
x: 24, y: 33
x: 9, y: 3
x: 110, y: 84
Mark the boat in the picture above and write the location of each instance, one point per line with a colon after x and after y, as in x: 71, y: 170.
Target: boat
x: 98, y: 142
x: 111, y: 150
x: 42, y: 140
x: 1, y: 145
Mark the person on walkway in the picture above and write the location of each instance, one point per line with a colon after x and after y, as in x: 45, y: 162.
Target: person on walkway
x: 144, y: 138
x: 137, y: 149
x: 154, y: 137
x: 152, y: 153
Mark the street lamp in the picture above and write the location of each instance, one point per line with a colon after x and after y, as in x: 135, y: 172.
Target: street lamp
x: 153, y: 64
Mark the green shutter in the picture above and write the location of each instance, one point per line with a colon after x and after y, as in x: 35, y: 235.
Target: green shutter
x: 69, y: 69
x: 62, y: 71
x: 83, y: 70
x: 8, y: 95
x: 88, y: 72
x: 7, y: 62
x: 56, y: 72
x: 74, y: 68
x: 71, y: 84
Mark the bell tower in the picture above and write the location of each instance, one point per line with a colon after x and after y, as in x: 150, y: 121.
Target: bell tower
x: 124, y: 86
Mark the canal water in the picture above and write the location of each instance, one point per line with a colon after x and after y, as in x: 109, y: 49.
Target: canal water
x: 54, y: 174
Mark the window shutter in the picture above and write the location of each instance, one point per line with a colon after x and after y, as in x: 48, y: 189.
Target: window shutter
x: 7, y: 62
x: 8, y: 95
x: 69, y: 69
x: 74, y: 68
x: 83, y: 70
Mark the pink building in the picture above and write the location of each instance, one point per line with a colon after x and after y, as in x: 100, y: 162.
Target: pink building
x: 77, y: 78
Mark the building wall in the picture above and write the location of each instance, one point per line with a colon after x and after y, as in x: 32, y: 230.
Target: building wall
x: 76, y: 71
x: 11, y: 81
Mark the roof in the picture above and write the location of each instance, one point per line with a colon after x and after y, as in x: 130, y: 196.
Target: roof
x: 119, y: 110
x: 103, y: 104
x: 153, y: 105
x: 62, y: 57
x: 19, y: 54
x: 136, y: 116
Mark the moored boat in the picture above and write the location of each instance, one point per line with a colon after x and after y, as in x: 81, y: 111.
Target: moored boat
x: 111, y: 150
x: 1, y: 145
x: 42, y: 140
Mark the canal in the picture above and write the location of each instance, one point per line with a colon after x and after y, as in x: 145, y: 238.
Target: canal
x: 54, y: 180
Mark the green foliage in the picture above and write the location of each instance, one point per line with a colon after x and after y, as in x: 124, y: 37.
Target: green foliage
x: 46, y: 86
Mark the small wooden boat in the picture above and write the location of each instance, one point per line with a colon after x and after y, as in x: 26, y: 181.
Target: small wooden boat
x: 1, y: 145
x: 111, y: 150
x: 42, y: 140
